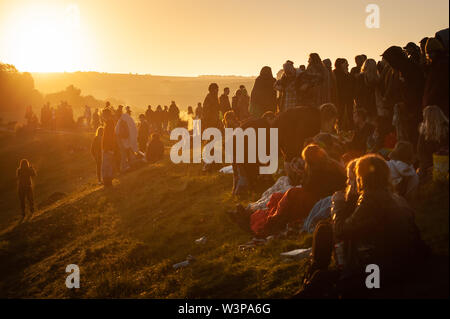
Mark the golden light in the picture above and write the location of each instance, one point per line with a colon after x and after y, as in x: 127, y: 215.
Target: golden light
x: 46, y: 39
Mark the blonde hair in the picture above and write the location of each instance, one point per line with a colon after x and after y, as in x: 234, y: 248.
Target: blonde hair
x: 435, y: 124
x: 370, y: 71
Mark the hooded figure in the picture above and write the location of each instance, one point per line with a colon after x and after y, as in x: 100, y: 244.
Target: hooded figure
x: 263, y: 96
x: 412, y: 89
x: 211, y: 107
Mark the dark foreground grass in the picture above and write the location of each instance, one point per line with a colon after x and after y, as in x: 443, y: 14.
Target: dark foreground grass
x: 125, y: 240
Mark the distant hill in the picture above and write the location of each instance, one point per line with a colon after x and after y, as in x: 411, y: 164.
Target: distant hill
x: 140, y: 90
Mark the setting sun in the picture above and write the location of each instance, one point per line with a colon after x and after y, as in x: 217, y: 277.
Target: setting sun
x: 46, y: 38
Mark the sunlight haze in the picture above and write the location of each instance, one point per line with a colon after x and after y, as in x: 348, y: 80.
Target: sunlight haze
x: 189, y: 38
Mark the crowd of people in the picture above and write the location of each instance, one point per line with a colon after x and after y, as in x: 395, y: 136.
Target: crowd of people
x: 356, y: 146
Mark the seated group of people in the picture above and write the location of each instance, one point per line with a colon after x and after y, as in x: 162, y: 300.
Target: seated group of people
x: 356, y: 191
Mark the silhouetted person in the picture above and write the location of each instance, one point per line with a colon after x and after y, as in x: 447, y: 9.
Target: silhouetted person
x: 210, y: 112
x: 198, y: 111
x: 224, y: 101
x: 359, y: 61
x: 366, y: 86
x: 165, y: 118
x: 158, y: 119
x: 109, y: 147
x: 143, y: 133
x: 286, y: 87
x: 344, y: 85
x: 436, y: 83
x: 411, y: 90
x: 243, y: 104
x: 413, y: 52
x: 96, y: 151
x: 263, y: 96
x: 25, y: 187
x: 155, y: 149
x: 174, y: 115
x: 313, y: 85
x: 149, y: 116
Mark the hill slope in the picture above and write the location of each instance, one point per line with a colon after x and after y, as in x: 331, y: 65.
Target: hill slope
x: 125, y: 240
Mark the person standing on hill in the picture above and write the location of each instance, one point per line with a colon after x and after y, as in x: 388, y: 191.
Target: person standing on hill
x: 174, y: 115
x: 344, y: 94
x: 198, y: 111
x: 365, y: 88
x: 359, y: 61
x: 224, y: 102
x: 243, y: 104
x: 210, y: 113
x: 143, y: 133
x: 25, y: 188
x: 165, y: 118
x: 263, y: 96
x: 286, y: 87
x: 96, y: 151
x: 436, y: 82
x: 109, y: 147
x: 149, y: 116
x: 412, y: 88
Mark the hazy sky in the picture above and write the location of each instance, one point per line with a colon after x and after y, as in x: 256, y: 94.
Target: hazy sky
x: 192, y: 37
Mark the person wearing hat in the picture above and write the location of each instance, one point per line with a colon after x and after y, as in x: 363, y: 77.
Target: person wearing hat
x: 403, y: 175
x: 411, y: 89
x: 436, y: 83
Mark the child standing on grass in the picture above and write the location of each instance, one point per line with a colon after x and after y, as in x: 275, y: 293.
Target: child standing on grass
x: 96, y: 151
x: 25, y: 188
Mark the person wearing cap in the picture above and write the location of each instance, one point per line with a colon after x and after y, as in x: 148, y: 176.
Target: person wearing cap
x: 411, y: 89
x: 436, y: 83
x: 403, y: 175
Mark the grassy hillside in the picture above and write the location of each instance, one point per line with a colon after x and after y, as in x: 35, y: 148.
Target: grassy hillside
x: 125, y: 240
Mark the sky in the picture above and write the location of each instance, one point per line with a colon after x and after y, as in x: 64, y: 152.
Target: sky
x: 203, y: 37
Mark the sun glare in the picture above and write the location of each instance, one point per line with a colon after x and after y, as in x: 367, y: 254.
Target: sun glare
x: 46, y: 39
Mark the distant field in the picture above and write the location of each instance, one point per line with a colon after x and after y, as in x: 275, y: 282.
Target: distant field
x: 126, y: 240
x: 139, y: 90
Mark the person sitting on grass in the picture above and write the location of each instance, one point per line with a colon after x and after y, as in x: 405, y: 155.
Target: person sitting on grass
x: 323, y: 176
x: 380, y: 230
x: 25, y: 187
x: 403, y: 175
x: 155, y: 149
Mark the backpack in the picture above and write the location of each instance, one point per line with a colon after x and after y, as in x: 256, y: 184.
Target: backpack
x: 123, y: 129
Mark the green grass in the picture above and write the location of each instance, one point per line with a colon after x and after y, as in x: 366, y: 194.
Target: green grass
x: 126, y: 239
